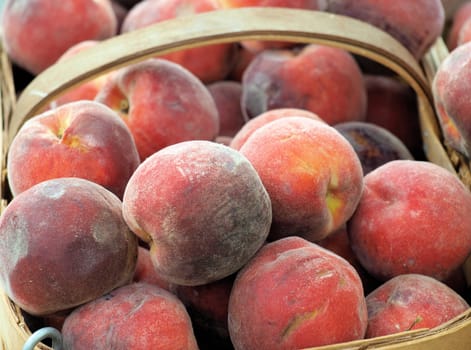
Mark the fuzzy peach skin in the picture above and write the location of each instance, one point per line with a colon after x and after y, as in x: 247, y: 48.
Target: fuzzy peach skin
x: 81, y: 139
x: 311, y: 172
x: 294, y: 294
x: 87, y: 90
x: 135, y: 316
x: 450, y: 87
x: 415, y: 24
x: 63, y: 243
x: 201, y: 207
x: 162, y: 103
x: 413, y: 217
x: 273, y: 114
x: 321, y: 79
x: 209, y: 63
x: 37, y: 32
x: 411, y: 301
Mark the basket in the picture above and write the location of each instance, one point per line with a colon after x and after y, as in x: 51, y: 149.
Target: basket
x: 302, y: 26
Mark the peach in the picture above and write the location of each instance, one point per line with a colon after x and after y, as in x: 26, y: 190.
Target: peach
x: 162, y: 103
x: 64, y: 243
x: 415, y: 24
x: 460, y: 15
x: 294, y: 294
x: 87, y: 90
x: 311, y: 172
x: 135, y: 316
x: 324, y: 80
x: 227, y: 96
x: 201, y: 207
x: 411, y: 301
x: 392, y: 104
x: 373, y: 144
x: 81, y: 139
x: 450, y: 88
x: 37, y: 32
x: 209, y: 63
x: 273, y: 114
x: 413, y: 217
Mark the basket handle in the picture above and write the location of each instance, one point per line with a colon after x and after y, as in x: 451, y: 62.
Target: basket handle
x: 42, y: 334
x: 232, y: 25
x: 228, y: 25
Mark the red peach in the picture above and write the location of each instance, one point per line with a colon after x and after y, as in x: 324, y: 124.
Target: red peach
x: 162, y: 103
x: 413, y: 217
x: 411, y: 301
x: 324, y: 80
x: 294, y: 294
x: 311, y: 172
x: 81, y: 139
x: 37, y: 32
x: 135, y: 316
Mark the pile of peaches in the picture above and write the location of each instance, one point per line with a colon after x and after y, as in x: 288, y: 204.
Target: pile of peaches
x: 247, y: 195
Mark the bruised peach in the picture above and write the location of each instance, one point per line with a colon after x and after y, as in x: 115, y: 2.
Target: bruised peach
x: 411, y: 301
x: 64, y: 243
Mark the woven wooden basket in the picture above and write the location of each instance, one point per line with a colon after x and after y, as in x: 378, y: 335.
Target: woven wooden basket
x: 231, y: 26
